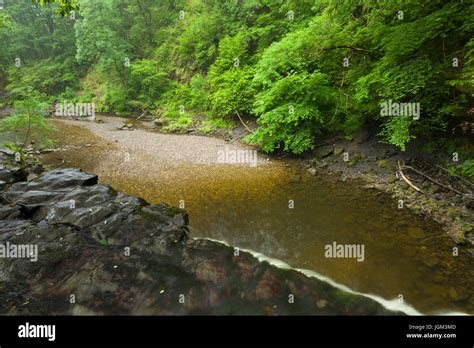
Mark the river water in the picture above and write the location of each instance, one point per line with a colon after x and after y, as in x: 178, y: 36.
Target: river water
x: 278, y: 210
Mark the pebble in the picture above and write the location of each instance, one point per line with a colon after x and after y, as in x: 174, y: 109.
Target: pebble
x: 416, y: 232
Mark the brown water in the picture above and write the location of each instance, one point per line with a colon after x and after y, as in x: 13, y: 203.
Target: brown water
x: 249, y: 208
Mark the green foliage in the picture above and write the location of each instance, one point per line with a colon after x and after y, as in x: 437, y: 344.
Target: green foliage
x: 37, y: 51
x: 64, y: 6
x: 292, y: 110
x: 50, y: 76
x: 115, y: 99
x: 219, y: 123
x: 147, y: 83
x: 4, y: 21
x: 28, y: 122
x: 100, y: 34
x: 199, y: 94
x: 397, y: 131
x: 467, y: 169
x: 211, y: 124
x: 281, y: 130
x: 12, y: 146
x: 20, y: 151
x: 197, y: 44
x: 232, y: 91
x: 415, y: 63
x: 254, y: 58
x: 178, y: 123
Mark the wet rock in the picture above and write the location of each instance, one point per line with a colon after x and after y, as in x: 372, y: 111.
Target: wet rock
x: 125, y: 126
x: 458, y: 236
x: 36, y: 169
x: 338, y: 150
x: 440, y: 278
x: 159, y: 122
x: 392, y: 179
x: 361, y: 136
x: 31, y: 176
x: 7, y: 152
x: 429, y: 260
x: 324, y: 151
x: 295, y: 179
x: 386, y: 164
x: 59, y: 179
x: 457, y: 294
x: 416, y: 232
x: 11, y: 174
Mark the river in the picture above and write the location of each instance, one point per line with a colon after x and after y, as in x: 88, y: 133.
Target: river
x: 277, y: 209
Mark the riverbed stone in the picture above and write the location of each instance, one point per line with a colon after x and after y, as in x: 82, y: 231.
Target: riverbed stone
x: 458, y: 236
x: 338, y: 150
x: 324, y: 151
x: 159, y: 122
x: 429, y: 260
x: 416, y: 232
x: 353, y: 162
x: 386, y: 164
x: 457, y: 294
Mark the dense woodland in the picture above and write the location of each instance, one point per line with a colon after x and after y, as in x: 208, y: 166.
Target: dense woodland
x: 301, y: 69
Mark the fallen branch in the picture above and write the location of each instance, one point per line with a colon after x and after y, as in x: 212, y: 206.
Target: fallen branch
x: 437, y: 236
x: 400, y: 170
x: 457, y: 176
x: 437, y: 182
x: 240, y: 118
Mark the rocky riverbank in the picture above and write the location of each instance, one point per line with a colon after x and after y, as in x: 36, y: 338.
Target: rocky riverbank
x: 376, y: 164
x: 103, y: 252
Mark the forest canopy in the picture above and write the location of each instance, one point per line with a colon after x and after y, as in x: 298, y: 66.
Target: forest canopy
x: 299, y: 68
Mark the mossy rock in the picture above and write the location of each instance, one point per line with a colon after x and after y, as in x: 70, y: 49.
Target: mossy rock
x: 416, y: 232
x: 323, y: 151
x: 353, y: 162
x: 452, y: 213
x: 386, y: 164
x: 338, y: 150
